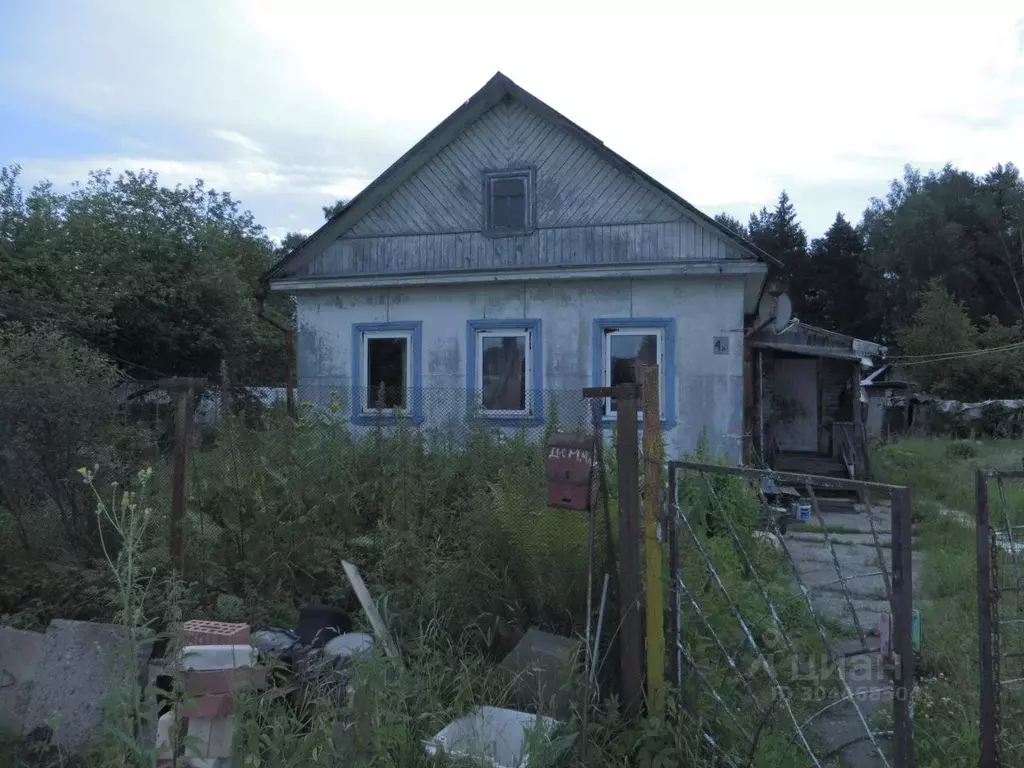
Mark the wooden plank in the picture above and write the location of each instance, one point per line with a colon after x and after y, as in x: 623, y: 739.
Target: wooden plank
x: 655, y: 627
x: 380, y: 629
x: 632, y: 645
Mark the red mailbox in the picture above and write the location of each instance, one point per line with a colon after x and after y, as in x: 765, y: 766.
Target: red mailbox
x: 570, y: 466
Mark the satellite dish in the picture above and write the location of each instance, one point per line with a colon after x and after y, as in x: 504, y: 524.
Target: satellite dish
x: 765, y: 311
x: 783, y: 312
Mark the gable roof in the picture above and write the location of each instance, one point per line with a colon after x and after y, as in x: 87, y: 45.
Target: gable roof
x: 493, y: 92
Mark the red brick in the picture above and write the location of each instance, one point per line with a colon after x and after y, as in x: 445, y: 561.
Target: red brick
x: 203, y: 682
x: 202, y: 632
x: 210, y: 707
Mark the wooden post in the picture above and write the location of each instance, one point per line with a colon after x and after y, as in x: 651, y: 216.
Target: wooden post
x: 631, y: 638
x: 629, y: 547
x: 655, y: 628
x: 183, y: 389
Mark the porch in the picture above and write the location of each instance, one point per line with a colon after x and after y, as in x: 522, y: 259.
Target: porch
x: 805, y: 411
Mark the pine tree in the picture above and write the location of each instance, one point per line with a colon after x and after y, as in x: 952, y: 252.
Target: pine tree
x: 836, y: 295
x: 780, y: 234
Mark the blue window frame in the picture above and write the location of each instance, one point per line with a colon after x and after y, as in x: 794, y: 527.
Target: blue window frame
x: 386, y: 359
x: 621, y: 347
x: 504, y: 370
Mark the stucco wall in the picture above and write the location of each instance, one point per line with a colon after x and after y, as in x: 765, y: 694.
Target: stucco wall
x: 708, y: 387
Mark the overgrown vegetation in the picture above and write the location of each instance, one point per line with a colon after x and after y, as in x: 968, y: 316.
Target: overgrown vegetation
x: 941, y: 478
x: 454, y: 538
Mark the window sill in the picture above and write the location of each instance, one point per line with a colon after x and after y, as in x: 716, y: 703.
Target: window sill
x: 495, y: 234
x: 496, y: 420
x: 370, y: 418
x: 610, y: 421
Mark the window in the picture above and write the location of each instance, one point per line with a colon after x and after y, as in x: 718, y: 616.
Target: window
x: 508, y: 199
x: 504, y: 368
x: 623, y: 348
x: 386, y: 365
x: 386, y: 368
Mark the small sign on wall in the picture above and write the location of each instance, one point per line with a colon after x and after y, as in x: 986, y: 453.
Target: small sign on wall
x: 721, y: 345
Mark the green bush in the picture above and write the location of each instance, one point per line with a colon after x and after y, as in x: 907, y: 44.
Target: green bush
x: 962, y: 449
x: 58, y: 412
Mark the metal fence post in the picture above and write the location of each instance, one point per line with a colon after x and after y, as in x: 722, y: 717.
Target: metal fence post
x: 672, y: 534
x: 903, y: 640
x: 986, y: 658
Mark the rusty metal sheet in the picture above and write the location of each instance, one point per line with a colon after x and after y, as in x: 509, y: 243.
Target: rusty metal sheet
x: 570, y: 465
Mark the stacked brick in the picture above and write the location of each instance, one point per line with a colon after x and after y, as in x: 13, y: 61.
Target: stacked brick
x: 218, y: 661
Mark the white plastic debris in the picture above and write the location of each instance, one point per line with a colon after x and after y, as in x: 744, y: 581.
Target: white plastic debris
x: 494, y: 737
x: 206, y: 657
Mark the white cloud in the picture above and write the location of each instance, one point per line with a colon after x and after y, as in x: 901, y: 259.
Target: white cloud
x: 291, y: 102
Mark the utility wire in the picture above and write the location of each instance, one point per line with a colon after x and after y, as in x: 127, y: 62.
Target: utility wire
x: 952, y: 356
x: 935, y: 355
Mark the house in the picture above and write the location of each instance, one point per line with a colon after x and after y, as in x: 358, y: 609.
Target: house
x: 807, y: 410
x: 891, y: 401
x: 511, y: 254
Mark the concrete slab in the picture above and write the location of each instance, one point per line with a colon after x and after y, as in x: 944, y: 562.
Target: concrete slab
x: 20, y: 652
x: 80, y: 667
x: 541, y: 668
x: 842, y: 724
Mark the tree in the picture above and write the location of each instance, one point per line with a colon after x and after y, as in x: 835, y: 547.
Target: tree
x: 330, y: 211
x: 953, y: 225
x: 57, y: 413
x: 290, y: 242
x: 966, y: 371
x: 731, y: 223
x: 780, y: 234
x: 836, y: 296
x: 160, y: 279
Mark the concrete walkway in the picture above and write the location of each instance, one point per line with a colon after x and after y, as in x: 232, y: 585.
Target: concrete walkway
x: 855, y: 549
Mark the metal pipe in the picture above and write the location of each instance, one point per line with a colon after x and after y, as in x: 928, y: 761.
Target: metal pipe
x: 597, y: 632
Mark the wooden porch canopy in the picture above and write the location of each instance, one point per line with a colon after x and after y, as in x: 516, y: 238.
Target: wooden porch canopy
x: 803, y: 339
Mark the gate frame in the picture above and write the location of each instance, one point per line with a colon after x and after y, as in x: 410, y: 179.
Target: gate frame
x: 988, y: 618
x: 901, y: 565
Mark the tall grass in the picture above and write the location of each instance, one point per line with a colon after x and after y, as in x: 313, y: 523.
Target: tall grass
x: 941, y: 476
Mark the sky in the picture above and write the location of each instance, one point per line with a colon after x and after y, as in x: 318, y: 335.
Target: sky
x: 290, y: 104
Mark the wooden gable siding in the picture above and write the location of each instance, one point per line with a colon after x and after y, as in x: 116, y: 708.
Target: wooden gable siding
x: 575, y: 187
x: 588, y: 211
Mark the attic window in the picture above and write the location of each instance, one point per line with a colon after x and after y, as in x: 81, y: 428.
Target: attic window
x: 508, y: 200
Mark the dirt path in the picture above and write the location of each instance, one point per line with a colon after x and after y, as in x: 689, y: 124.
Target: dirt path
x: 856, y: 551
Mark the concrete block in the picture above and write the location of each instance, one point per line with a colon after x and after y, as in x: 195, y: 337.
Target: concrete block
x: 209, y: 707
x: 82, y: 664
x: 203, y: 657
x: 540, y: 667
x: 202, y: 632
x: 209, y: 738
x: 20, y: 652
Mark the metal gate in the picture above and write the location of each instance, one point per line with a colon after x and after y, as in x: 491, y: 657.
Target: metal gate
x: 1000, y: 536
x: 792, y: 647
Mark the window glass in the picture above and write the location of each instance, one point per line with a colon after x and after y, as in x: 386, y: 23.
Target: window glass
x: 626, y: 355
x: 508, y: 204
x: 386, y: 370
x: 503, y: 371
